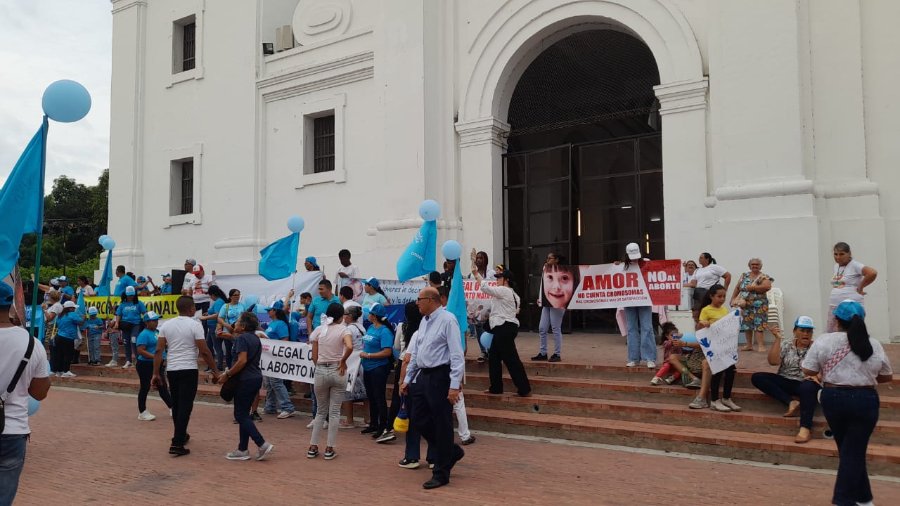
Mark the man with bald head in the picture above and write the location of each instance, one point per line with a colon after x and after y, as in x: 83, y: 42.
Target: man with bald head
x: 432, y: 383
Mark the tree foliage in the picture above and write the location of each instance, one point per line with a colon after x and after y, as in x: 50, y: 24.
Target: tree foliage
x: 75, y: 215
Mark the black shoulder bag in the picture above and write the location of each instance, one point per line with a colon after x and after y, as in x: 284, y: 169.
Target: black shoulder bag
x: 15, y: 381
x: 230, y: 386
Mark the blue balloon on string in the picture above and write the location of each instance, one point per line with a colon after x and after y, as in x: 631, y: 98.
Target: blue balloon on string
x: 451, y: 250
x: 486, y: 339
x: 296, y: 224
x: 66, y: 101
x: 102, y: 239
x: 33, y: 405
x: 429, y: 210
x: 109, y: 243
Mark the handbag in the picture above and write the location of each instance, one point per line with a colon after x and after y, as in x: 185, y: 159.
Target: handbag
x: 401, y: 422
x: 230, y: 386
x: 15, y: 381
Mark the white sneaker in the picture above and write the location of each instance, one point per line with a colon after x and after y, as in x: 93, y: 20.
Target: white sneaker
x: 112, y: 363
x: 58, y: 374
x: 69, y: 374
x: 651, y: 364
x: 285, y: 414
x: 655, y: 380
x: 238, y: 455
x: 717, y: 405
x: 310, y: 424
x: 127, y: 365
x: 731, y: 405
x: 265, y: 450
x: 146, y: 416
x: 631, y: 364
x: 698, y: 403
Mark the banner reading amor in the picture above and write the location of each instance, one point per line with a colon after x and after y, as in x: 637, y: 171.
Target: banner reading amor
x: 648, y: 283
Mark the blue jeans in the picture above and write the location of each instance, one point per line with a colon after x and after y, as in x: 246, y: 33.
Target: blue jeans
x: 852, y: 414
x: 783, y: 389
x: 277, y: 396
x: 247, y: 390
x: 641, y: 342
x: 12, y: 460
x: 551, y: 318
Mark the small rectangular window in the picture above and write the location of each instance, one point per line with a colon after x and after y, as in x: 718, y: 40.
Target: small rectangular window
x: 188, y: 46
x: 323, y: 144
x: 187, y: 187
x: 181, y: 187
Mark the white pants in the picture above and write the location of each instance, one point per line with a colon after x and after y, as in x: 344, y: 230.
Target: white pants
x: 460, y: 409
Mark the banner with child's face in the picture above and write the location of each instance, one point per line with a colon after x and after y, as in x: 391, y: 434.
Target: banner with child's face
x: 641, y: 283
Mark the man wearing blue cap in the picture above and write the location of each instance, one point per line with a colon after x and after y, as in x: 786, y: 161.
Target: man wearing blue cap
x: 23, y: 372
x: 790, y: 382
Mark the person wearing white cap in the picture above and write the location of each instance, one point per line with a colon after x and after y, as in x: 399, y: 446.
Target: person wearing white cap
x: 790, y: 382
x: 67, y: 332
x: 93, y: 330
x: 146, y: 351
x: 639, y: 319
x: 128, y: 320
x: 196, y: 284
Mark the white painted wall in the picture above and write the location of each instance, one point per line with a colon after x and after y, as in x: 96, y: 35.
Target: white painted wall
x: 790, y: 148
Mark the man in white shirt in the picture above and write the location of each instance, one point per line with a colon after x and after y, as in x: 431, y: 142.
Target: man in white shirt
x: 183, y: 340
x: 34, y: 381
x: 347, y: 271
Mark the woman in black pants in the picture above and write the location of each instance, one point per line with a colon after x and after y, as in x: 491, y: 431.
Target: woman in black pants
x: 851, y: 364
x: 504, y: 325
x: 146, y: 350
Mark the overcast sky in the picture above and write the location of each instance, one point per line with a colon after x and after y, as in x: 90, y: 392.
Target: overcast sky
x: 42, y: 41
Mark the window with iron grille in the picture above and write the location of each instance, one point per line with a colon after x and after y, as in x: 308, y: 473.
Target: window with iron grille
x: 323, y: 144
x: 188, y: 46
x: 187, y: 187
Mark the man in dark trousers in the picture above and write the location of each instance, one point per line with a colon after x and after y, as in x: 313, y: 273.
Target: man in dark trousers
x: 432, y: 382
x: 182, y: 339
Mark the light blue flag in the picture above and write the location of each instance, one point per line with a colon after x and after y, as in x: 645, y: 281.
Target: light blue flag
x: 456, y: 302
x: 279, y: 259
x: 21, y: 203
x: 420, y: 256
x: 106, y: 278
x: 81, y: 309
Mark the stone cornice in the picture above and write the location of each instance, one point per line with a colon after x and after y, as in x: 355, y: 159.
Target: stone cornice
x: 682, y: 96
x: 482, y: 131
x: 345, y: 70
x: 121, y: 5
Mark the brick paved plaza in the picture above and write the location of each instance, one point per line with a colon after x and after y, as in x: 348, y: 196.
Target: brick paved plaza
x: 89, y: 448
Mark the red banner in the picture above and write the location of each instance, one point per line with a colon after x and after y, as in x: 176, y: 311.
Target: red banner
x: 643, y: 283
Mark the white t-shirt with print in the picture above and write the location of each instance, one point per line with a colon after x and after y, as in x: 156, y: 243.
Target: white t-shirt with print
x: 13, y: 343
x: 181, y: 334
x: 709, y: 275
x: 850, y: 371
x: 845, y: 281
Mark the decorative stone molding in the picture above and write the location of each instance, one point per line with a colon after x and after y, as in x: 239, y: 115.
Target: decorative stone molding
x: 843, y: 189
x: 243, y: 242
x: 315, y: 20
x: 122, y: 5
x: 765, y: 189
x: 482, y: 131
x: 338, y: 72
x: 682, y: 96
x: 414, y: 224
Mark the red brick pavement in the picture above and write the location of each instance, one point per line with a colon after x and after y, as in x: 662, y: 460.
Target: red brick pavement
x: 108, y: 457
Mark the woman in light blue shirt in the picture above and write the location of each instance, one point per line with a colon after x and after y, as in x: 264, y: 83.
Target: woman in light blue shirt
x: 378, y: 344
x: 374, y: 295
x: 228, y: 316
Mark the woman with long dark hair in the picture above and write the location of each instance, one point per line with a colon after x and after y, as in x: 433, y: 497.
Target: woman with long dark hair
x: 210, y: 321
x: 851, y: 363
x: 331, y: 347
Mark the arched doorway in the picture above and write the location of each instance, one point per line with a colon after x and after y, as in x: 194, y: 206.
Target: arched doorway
x: 582, y: 175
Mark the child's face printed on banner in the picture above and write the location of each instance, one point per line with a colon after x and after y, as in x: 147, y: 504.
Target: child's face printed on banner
x: 558, y: 287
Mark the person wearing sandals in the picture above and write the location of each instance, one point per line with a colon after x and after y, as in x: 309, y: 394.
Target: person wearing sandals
x: 790, y: 381
x: 331, y: 347
x: 247, y: 349
x: 851, y: 364
x: 750, y: 295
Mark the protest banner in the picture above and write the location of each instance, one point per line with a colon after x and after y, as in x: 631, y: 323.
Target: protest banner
x: 650, y: 283
x: 293, y: 361
x: 719, y: 342
x: 163, y: 305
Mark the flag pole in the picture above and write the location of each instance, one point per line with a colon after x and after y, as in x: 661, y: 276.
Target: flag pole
x: 40, y: 230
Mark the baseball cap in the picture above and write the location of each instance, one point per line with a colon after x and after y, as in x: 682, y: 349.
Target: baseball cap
x: 129, y: 290
x: 151, y: 316
x: 198, y: 267
x: 54, y: 282
x: 804, y: 322
x: 63, y: 279
x: 847, y: 309
x: 277, y: 305
x: 69, y: 304
x: 190, y: 261
x: 141, y: 279
x: 92, y: 310
x: 378, y: 310
x: 373, y: 283
x: 166, y: 275
x: 633, y: 251
x: 6, y: 295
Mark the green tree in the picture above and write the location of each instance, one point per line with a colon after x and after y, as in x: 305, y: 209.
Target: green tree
x: 75, y: 215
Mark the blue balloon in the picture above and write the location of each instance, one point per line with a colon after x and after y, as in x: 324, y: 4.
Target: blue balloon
x: 33, y: 405
x: 250, y: 300
x: 451, y: 250
x: 296, y: 224
x: 102, y: 239
x: 108, y: 244
x: 429, y: 210
x: 66, y: 101
x: 486, y: 339
x: 689, y: 337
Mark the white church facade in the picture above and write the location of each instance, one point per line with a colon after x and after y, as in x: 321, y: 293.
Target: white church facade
x: 763, y: 128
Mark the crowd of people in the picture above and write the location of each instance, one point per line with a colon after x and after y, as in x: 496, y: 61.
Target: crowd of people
x: 425, y: 352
